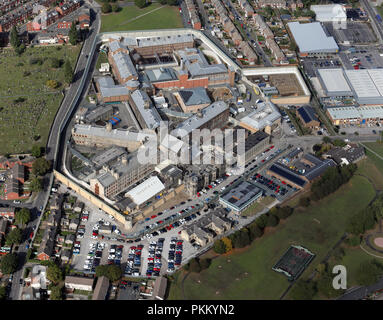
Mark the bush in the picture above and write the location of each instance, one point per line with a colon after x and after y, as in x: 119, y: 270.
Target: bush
x: 194, y: 266
x: 261, y: 221
x: 55, y: 63
x: 53, y: 84
x: 283, y: 212
x: 116, y: 8
x: 255, y: 231
x: 219, y: 247
x: 140, y: 3
x: 106, y: 8
x: 36, y: 61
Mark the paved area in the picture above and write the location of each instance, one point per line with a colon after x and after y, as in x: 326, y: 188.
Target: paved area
x: 354, y: 33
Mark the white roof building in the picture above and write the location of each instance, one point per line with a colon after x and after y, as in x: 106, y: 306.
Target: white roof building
x: 311, y: 38
x: 329, y: 13
x: 334, y: 82
x: 146, y: 190
x: 265, y: 115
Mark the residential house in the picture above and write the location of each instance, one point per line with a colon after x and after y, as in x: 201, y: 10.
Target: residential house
x: 8, y: 213
x: 65, y: 255
x: 73, y: 224
x: 47, y: 244
x: 60, y: 239
x: 3, y: 226
x: 78, y: 206
x: 70, y: 238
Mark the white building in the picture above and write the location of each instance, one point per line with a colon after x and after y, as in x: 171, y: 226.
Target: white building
x: 146, y: 190
x: 79, y: 283
x: 329, y: 13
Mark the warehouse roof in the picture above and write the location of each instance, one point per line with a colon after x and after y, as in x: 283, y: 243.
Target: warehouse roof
x: 311, y: 38
x: 363, y: 84
x: 146, y: 190
x: 343, y: 113
x: 334, y: 81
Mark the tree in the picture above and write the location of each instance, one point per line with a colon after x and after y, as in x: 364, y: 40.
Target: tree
x: 54, y: 273
x: 303, y: 290
x: 36, y: 185
x: 241, y: 238
x: 254, y: 231
x: 8, y: 263
x: 3, y: 292
x: 326, y: 139
x: 272, y: 220
x: 204, y: 263
x: 23, y: 216
x: 40, y: 167
x: 56, y: 293
x: 228, y: 245
x: 13, y: 237
x: 163, y: 2
x: 284, y: 212
x: 219, y: 247
x: 112, y: 272
x: 172, y: 2
x: 115, y: 8
x: 140, y: 3
x: 194, y: 266
x: 106, y: 8
x: 68, y: 72
x: 73, y: 33
x: 326, y: 288
x: 304, y: 201
x: 261, y: 221
x: 36, y: 151
x: 14, y: 38
x: 369, y: 272
x: 53, y: 84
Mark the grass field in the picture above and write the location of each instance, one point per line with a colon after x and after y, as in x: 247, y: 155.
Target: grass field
x: 155, y: 16
x: 248, y: 275
x: 33, y: 113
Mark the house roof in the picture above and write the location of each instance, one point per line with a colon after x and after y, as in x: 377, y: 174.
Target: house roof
x: 79, y: 280
x: 194, y: 96
x: 101, y: 289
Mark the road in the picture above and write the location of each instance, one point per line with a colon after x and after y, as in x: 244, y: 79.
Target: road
x: 51, y: 149
x: 359, y: 293
x: 376, y: 25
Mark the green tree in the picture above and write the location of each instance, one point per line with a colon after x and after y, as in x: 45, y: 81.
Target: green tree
x: 36, y: 151
x: 163, y: 2
x: 73, y: 34
x: 325, y: 287
x: 54, y: 273
x: 112, y: 272
x: 272, y: 220
x: 106, y: 7
x: 241, y: 238
x: 326, y: 139
x: 23, y: 216
x: 303, y: 290
x: 172, y: 2
x: 36, y: 185
x: 261, y: 221
x: 254, y: 231
x: 14, y: 39
x: 68, y: 72
x: 40, y: 167
x: 369, y: 272
x: 140, y: 3
x: 8, y: 263
x: 219, y: 247
x: 13, y: 237
x: 3, y: 292
x: 56, y: 293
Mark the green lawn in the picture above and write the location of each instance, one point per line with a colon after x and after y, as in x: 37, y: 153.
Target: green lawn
x: 22, y: 121
x: 231, y: 281
x: 157, y: 17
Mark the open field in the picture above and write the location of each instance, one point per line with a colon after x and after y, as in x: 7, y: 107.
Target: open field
x: 247, y: 274
x: 155, y: 16
x: 28, y: 107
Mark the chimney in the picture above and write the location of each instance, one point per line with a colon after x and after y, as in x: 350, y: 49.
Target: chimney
x: 109, y: 127
x: 124, y: 160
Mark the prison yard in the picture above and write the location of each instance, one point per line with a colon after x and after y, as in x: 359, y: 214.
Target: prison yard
x: 154, y: 16
x: 28, y: 105
x: 318, y: 228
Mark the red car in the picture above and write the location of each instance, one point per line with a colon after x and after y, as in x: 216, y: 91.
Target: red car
x: 153, y: 216
x: 198, y: 194
x: 160, y: 222
x: 263, y: 160
x: 150, y: 259
x: 95, y: 233
x: 283, y: 182
x: 209, y: 186
x: 271, y: 147
x: 168, y: 228
x: 31, y: 235
x: 133, y: 248
x: 192, y: 207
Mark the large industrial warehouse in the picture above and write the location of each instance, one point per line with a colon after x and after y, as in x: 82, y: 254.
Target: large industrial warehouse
x: 366, y: 86
x: 312, y: 39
